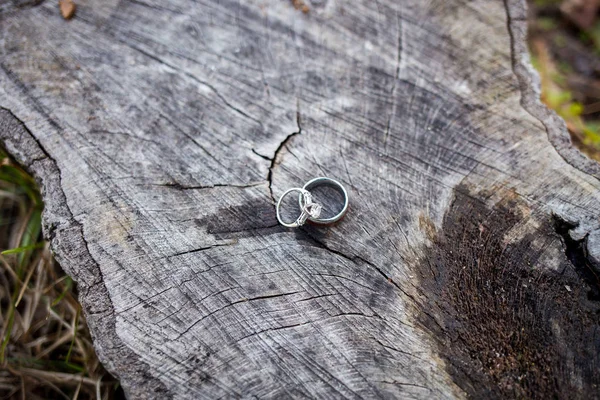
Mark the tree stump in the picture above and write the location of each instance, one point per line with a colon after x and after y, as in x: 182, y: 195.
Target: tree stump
x: 162, y: 132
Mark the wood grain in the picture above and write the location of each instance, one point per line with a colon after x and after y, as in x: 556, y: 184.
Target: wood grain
x: 162, y: 132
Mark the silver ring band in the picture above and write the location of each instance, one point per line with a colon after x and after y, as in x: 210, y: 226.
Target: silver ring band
x: 323, y: 181
x: 308, y: 208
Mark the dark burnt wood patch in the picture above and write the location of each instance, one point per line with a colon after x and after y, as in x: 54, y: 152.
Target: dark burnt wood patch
x: 507, y: 326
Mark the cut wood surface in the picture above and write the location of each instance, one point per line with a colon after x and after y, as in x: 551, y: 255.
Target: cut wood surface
x: 162, y: 132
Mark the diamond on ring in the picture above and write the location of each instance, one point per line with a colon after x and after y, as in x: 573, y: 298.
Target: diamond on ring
x: 310, y: 210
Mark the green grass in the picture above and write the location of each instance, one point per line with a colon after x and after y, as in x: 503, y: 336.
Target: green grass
x: 45, y: 349
x: 548, y: 32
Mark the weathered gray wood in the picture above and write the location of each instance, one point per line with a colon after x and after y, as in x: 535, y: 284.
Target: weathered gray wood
x: 161, y: 132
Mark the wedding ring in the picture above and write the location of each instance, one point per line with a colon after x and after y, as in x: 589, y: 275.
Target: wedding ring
x: 308, y: 208
x: 323, y: 181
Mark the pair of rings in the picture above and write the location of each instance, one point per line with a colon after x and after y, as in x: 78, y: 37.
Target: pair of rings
x: 310, y: 210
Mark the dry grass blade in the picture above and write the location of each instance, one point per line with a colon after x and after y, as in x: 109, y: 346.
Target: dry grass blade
x: 46, y: 350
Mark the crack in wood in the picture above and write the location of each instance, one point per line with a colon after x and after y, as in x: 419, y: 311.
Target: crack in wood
x: 575, y: 252
x: 353, y: 259
x: 181, y: 187
x: 243, y: 300
x: 281, y: 145
x: 201, y: 249
x: 261, y: 155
